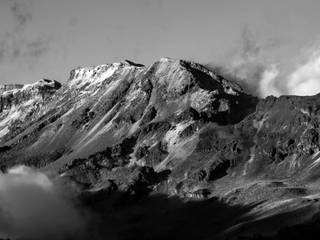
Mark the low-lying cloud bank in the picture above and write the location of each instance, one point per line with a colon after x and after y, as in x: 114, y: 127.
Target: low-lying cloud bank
x: 34, y: 207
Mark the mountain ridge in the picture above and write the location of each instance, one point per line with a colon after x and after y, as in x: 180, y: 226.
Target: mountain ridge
x: 174, y: 128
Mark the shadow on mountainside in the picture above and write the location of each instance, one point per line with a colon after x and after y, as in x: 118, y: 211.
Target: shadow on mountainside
x: 125, y: 216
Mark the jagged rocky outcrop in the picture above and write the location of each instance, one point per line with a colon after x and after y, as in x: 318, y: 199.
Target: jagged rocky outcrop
x: 162, y: 107
x: 15, y: 94
x: 22, y: 104
x: 7, y: 87
x: 173, y: 128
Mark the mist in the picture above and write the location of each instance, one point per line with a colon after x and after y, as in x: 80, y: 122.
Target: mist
x: 32, y: 206
x: 15, y: 42
x: 305, y: 79
x: 261, y: 75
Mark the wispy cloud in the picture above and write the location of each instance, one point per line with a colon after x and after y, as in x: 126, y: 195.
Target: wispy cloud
x: 304, y: 80
x: 260, y: 75
x: 17, y: 43
x: 21, y: 11
x: 249, y: 64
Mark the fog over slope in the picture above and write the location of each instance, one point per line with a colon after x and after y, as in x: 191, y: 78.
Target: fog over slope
x: 35, y: 207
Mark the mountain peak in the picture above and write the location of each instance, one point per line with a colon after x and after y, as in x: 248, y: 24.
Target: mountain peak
x: 7, y: 87
x: 126, y: 61
x: 43, y: 83
x: 174, y: 127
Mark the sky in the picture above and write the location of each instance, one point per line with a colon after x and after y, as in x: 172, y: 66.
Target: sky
x: 273, y: 43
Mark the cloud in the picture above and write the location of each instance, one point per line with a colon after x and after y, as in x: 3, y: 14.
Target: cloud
x: 37, y: 47
x: 17, y: 43
x: 267, y: 82
x: 14, y: 47
x: 32, y: 206
x: 251, y: 65
x: 259, y: 74
x: 21, y: 11
x: 305, y: 79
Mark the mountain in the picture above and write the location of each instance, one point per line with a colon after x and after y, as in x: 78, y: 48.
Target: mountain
x: 176, y: 135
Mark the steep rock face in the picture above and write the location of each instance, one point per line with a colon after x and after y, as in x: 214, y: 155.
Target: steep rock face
x: 16, y: 94
x: 155, y: 119
x: 174, y: 115
x: 285, y: 137
x: 279, y: 141
x: 20, y: 103
x: 173, y: 128
x: 159, y: 110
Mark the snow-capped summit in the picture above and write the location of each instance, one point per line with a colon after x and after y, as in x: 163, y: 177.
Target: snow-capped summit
x: 86, y: 77
x: 110, y: 102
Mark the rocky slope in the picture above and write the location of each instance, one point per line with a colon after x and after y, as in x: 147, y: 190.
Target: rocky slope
x: 175, y: 129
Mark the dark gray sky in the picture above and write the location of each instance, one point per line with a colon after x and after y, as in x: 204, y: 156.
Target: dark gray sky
x: 47, y: 38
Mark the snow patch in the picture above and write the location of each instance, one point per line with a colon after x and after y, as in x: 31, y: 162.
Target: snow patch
x: 88, y: 77
x: 200, y: 99
x: 251, y: 159
x: 306, y: 112
x: 4, y: 131
x: 259, y: 123
x: 172, y: 136
x: 316, y: 159
x: 12, y: 115
x: 40, y: 83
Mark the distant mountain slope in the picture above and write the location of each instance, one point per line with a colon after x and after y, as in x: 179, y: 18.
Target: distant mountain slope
x: 173, y: 128
x: 103, y: 106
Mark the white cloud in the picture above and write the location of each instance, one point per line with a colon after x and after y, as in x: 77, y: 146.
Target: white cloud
x: 305, y: 79
x: 34, y: 207
x: 267, y: 83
